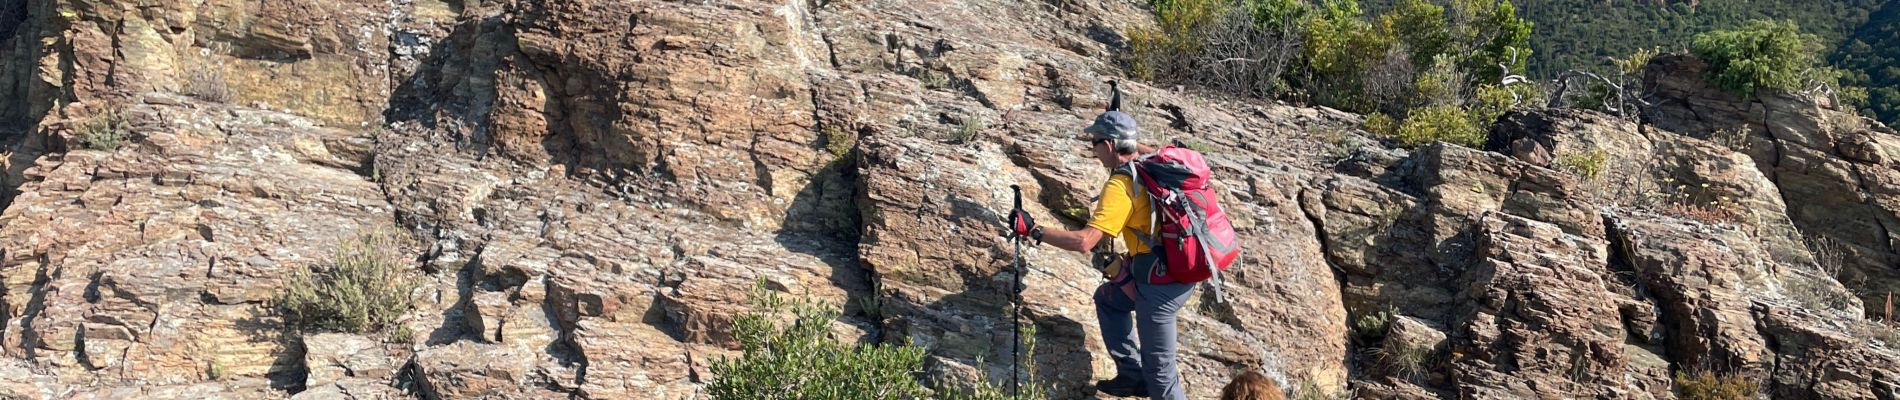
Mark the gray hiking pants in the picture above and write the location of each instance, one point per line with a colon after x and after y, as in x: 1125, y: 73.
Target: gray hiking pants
x: 1154, y: 307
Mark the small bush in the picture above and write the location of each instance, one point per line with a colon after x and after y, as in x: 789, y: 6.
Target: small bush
x: 967, y: 132
x: 1441, y: 84
x: 1373, y: 326
x: 402, y: 335
x: 105, y: 131
x: 1381, y: 124
x: 365, y: 288
x: 1587, y: 164
x: 1632, y: 66
x: 1493, y: 101
x: 932, y: 79
x: 1449, y: 124
x: 838, y: 142
x: 1829, y: 254
x: 1342, y: 139
x: 1707, y: 385
x: 1735, y: 139
x: 1156, y: 53
x: 207, y: 83
x: 800, y: 361
x: 1307, y: 390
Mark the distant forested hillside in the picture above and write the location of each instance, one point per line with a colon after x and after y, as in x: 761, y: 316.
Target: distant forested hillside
x: 1585, y: 34
x: 1872, y: 57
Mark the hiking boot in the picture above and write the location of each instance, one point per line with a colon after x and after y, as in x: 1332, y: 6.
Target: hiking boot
x: 1123, y: 386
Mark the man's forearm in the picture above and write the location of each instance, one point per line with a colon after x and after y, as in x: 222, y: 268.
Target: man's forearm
x: 1076, y: 241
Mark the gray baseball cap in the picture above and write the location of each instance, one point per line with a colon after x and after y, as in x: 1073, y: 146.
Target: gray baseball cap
x: 1111, y: 125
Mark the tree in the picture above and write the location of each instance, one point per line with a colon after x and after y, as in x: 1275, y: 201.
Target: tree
x: 1499, y: 38
x: 1763, y: 54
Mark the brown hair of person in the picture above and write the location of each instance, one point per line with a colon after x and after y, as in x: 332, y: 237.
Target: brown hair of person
x: 1252, y: 385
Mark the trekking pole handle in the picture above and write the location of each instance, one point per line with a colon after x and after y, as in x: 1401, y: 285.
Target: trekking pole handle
x: 1017, y: 190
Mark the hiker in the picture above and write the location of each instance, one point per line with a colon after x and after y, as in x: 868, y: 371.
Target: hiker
x: 1252, y: 385
x: 1124, y: 209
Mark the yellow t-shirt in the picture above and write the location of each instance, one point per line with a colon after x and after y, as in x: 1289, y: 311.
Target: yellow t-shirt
x: 1121, y: 211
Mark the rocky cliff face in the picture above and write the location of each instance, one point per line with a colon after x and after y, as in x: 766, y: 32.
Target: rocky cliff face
x: 593, y: 186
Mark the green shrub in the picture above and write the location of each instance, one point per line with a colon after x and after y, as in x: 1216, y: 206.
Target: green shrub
x: 1441, y: 84
x: 1381, y: 124
x: 1762, y: 54
x: 1588, y: 164
x: 968, y: 132
x: 1449, y: 124
x: 365, y: 288
x: 1373, y: 326
x: 1632, y: 66
x: 1707, y: 385
x: 1420, y: 25
x: 402, y: 335
x: 1307, y: 390
x: 800, y: 361
x: 105, y: 131
x: 1493, y: 101
x: 930, y: 77
x: 1177, y: 34
x: 1341, y: 47
x: 1498, y: 36
x: 838, y: 142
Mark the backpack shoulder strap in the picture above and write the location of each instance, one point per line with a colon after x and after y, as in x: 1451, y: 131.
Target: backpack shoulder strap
x: 1132, y: 170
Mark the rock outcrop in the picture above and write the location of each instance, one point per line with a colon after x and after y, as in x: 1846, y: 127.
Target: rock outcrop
x: 594, y: 187
x: 154, y: 263
x: 1830, y: 166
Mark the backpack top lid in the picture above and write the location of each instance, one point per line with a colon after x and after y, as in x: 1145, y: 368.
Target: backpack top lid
x: 1176, y: 168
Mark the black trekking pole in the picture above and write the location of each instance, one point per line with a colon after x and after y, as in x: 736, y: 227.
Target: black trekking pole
x: 1016, y: 298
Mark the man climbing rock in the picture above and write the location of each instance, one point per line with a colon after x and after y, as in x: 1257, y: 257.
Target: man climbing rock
x: 1147, y: 369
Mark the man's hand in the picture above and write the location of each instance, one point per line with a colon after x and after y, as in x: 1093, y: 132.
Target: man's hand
x: 1022, y: 225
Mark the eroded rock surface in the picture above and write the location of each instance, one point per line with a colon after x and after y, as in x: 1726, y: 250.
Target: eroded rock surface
x: 594, y: 187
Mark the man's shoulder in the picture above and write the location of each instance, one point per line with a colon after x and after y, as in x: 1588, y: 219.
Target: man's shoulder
x: 1118, y: 178
x: 1122, y: 183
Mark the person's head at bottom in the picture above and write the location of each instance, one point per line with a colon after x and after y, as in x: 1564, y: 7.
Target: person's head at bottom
x: 1252, y: 385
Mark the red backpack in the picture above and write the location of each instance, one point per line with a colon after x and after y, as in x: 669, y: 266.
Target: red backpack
x: 1196, y: 240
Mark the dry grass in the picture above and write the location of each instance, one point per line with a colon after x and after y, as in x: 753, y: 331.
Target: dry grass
x: 1402, y: 359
